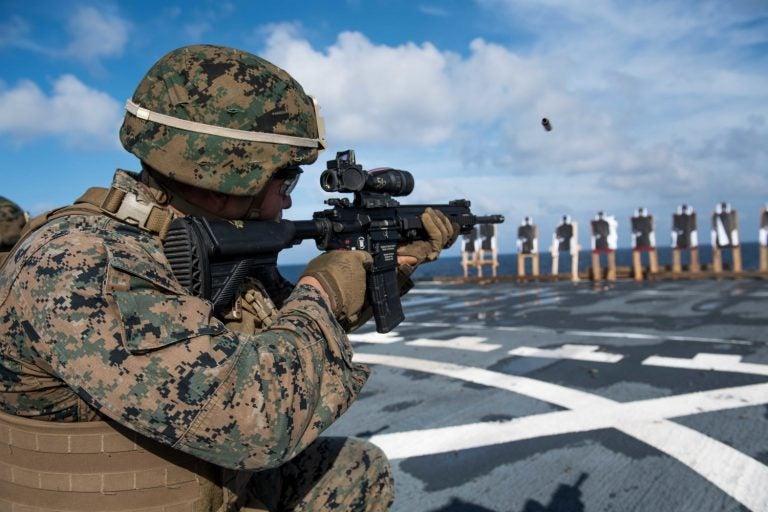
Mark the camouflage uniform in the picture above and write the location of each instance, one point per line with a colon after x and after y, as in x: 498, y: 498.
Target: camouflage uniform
x: 12, y: 221
x: 96, y: 326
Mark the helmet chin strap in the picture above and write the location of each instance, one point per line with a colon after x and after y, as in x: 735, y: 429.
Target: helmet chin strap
x: 166, y: 193
x: 254, y: 213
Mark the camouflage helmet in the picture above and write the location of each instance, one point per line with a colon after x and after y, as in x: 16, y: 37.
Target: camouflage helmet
x: 221, y: 119
x: 12, y: 222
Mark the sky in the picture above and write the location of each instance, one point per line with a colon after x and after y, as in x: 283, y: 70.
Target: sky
x: 652, y: 103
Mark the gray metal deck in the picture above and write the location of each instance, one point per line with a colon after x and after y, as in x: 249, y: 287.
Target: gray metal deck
x: 569, y: 397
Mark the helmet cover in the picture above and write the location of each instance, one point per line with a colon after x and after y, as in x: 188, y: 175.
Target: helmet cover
x: 228, y: 102
x: 12, y: 222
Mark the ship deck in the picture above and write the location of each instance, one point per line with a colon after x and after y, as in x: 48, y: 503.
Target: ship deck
x: 555, y: 396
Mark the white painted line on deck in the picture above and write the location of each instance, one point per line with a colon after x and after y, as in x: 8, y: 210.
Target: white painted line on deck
x: 708, y: 340
x: 376, y: 337
x: 426, y: 324
x: 575, y: 332
x: 672, y: 293
x: 706, y: 361
x: 434, y: 291
x: 567, y: 351
x: 544, y: 391
x: 526, y: 329
x: 603, y: 334
x: 472, y: 343
x: 737, y: 474
x: 644, y: 336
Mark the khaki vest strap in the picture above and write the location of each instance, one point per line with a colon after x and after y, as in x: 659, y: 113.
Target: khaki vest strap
x: 94, y: 196
x: 117, y: 203
x: 129, y: 208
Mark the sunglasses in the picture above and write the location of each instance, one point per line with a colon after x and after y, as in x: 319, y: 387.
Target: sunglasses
x: 288, y: 185
x: 290, y: 177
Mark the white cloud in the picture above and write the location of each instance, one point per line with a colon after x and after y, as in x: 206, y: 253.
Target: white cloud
x: 433, y: 10
x: 655, y: 108
x: 365, y: 89
x: 487, y: 105
x: 196, y: 30
x: 96, y: 34
x: 76, y: 113
x: 14, y: 32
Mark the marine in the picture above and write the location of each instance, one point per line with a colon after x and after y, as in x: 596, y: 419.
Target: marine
x: 96, y: 329
x: 12, y: 222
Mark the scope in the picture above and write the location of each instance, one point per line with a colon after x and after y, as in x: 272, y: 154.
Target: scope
x: 344, y: 175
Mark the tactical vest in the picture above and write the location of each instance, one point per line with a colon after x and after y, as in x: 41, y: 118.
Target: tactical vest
x: 115, y: 202
x: 100, y: 466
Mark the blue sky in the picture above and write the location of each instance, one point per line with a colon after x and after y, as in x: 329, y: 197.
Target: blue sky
x: 653, y: 103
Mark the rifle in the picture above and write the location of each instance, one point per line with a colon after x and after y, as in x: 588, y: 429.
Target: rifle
x: 211, y: 258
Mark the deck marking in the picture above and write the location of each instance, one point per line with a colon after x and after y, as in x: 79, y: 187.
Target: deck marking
x: 376, y: 337
x: 426, y: 324
x: 603, y: 334
x: 708, y: 340
x: 568, y: 351
x: 735, y: 473
x: 442, y: 292
x: 526, y: 329
x: 473, y: 343
x: 706, y: 361
x: 643, y: 336
x: 576, y: 332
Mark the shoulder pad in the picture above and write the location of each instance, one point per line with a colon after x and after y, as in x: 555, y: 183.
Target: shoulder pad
x: 154, y: 309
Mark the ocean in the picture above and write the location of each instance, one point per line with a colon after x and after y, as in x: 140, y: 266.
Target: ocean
x: 451, y: 266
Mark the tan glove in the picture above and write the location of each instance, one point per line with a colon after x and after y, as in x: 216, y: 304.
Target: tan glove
x: 253, y: 310
x: 442, y: 234
x: 342, y: 276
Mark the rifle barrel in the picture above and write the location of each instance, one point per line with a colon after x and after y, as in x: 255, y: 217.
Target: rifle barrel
x: 489, y: 219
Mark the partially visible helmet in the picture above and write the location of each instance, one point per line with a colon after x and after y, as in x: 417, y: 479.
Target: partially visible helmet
x: 221, y: 119
x: 12, y: 222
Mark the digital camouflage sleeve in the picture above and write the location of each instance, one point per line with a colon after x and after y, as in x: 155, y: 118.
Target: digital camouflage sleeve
x: 93, y: 320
